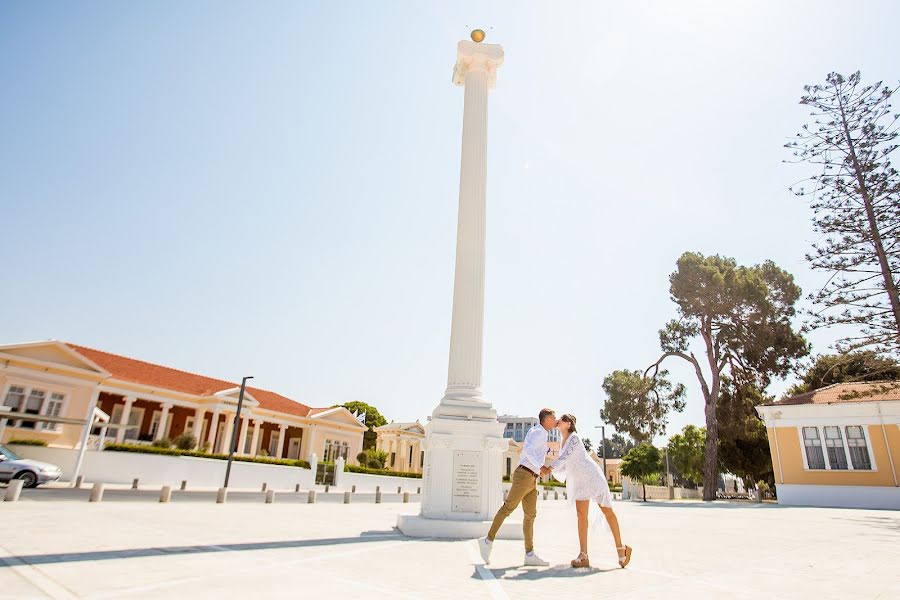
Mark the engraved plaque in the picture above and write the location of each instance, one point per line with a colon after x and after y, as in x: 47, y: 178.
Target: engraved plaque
x: 466, y: 482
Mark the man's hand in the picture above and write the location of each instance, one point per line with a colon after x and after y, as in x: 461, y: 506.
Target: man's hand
x: 545, y: 471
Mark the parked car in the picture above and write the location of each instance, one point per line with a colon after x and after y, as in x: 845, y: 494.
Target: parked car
x: 31, y: 472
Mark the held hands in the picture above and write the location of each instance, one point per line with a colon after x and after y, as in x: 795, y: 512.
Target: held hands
x: 545, y: 471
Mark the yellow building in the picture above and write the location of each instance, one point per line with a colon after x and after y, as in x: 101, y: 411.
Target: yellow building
x: 403, y: 444
x: 837, y: 446
x: 66, y: 384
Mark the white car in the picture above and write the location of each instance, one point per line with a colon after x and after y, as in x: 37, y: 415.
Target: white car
x: 31, y: 472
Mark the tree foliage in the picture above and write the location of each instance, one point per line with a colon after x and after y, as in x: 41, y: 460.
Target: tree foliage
x: 639, y: 405
x: 373, y: 420
x: 686, y: 451
x: 743, y: 441
x: 617, y: 446
x: 828, y: 369
x: 641, y: 463
x: 855, y: 199
x: 588, y: 444
x: 742, y: 316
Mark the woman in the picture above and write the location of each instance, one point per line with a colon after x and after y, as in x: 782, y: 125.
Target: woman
x: 585, y: 483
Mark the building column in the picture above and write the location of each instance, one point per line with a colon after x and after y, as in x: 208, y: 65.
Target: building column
x: 213, y: 427
x: 311, y: 444
x: 199, y: 415
x: 163, y: 421
x: 282, y: 440
x: 126, y: 415
x: 254, y: 441
x: 242, y: 437
x: 224, y: 443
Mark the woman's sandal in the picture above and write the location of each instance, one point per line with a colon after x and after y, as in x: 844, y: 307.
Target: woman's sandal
x: 581, y: 562
x: 624, y: 560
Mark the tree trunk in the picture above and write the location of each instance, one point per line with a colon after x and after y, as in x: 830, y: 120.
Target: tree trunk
x: 711, y: 458
x: 644, y: 485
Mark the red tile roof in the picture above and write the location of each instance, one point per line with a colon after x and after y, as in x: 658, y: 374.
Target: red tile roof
x: 840, y: 393
x: 138, y: 371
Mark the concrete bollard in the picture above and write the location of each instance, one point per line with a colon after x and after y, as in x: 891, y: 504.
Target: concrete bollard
x: 13, y: 490
x: 270, y: 496
x: 165, y: 494
x: 565, y: 495
x: 183, y: 484
x: 399, y: 489
x: 418, y: 491
x: 297, y: 488
x: 545, y: 495
x: 347, y: 496
x: 265, y: 486
x: 406, y: 497
x: 353, y: 489
x: 327, y: 487
x: 377, y: 496
x: 377, y: 488
x: 135, y: 483
x: 556, y: 495
x: 97, y: 492
x: 311, y: 499
x: 78, y: 481
x: 222, y: 496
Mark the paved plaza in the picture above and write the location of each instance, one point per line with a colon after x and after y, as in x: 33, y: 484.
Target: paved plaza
x: 75, y: 549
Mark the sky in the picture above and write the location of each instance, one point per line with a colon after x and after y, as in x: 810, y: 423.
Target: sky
x: 236, y: 188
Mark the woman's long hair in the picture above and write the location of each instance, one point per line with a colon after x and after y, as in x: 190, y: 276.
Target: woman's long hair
x: 570, y: 419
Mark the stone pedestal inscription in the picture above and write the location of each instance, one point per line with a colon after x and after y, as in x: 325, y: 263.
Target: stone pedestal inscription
x: 466, y: 482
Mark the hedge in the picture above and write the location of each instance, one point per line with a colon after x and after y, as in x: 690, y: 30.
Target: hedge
x: 367, y: 470
x: 28, y: 442
x: 175, y: 452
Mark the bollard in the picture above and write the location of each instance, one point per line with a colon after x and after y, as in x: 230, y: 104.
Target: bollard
x: 377, y: 496
x: 545, y: 495
x: 312, y: 497
x: 565, y: 495
x: 270, y: 497
x: 165, y: 494
x: 346, y: 497
x: 377, y: 488
x: 353, y: 490
x: 97, y: 492
x: 556, y: 495
x: 297, y: 488
x: 326, y: 489
x: 406, y: 497
x: 399, y: 489
x: 222, y: 496
x: 183, y: 484
x: 135, y: 483
x: 78, y: 481
x: 418, y: 491
x: 265, y: 486
x: 13, y: 490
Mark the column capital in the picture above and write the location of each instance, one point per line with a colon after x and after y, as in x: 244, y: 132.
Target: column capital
x: 282, y: 427
x: 472, y: 56
x: 129, y: 399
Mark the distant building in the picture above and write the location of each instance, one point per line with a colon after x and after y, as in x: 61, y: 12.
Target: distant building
x: 515, y: 430
x: 837, y: 446
x: 403, y: 444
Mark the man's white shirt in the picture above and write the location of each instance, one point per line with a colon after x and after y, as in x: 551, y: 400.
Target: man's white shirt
x: 534, y: 449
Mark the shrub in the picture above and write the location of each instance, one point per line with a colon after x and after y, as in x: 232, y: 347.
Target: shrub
x: 362, y: 458
x: 185, y: 441
x: 205, y: 447
x: 374, y: 463
x: 28, y: 442
x: 163, y: 442
x: 369, y: 471
x: 763, y: 489
x: 175, y: 452
x: 263, y: 452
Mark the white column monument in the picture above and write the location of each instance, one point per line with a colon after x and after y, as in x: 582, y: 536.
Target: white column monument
x: 464, y: 442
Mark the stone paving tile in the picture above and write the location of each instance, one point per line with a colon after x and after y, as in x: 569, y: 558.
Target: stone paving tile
x: 125, y: 550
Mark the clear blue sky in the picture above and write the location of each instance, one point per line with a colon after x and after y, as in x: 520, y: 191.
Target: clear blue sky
x: 270, y: 188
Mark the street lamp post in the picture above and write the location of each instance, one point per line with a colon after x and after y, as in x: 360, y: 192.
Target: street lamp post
x: 602, y: 429
x: 234, y: 432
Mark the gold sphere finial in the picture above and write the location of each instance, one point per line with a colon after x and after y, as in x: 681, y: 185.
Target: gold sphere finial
x: 477, y: 35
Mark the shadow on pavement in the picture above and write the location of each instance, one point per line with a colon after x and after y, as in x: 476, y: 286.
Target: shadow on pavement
x: 529, y: 574
x: 72, y: 557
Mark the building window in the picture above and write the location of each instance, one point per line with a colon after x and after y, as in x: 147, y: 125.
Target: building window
x: 815, y: 458
x: 14, y: 397
x: 33, y: 406
x: 410, y: 458
x: 859, y: 450
x: 422, y: 459
x: 393, y: 458
x: 53, y: 409
x: 329, y: 448
x: 834, y: 445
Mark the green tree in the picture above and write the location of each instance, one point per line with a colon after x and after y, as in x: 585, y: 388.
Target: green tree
x: 829, y: 369
x: 686, y: 452
x: 639, y: 405
x: 641, y: 464
x: 743, y: 441
x: 855, y: 198
x: 588, y: 444
x: 373, y: 420
x: 742, y: 316
x: 618, y: 446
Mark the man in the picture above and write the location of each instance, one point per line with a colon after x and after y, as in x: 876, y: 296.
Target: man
x: 524, y: 490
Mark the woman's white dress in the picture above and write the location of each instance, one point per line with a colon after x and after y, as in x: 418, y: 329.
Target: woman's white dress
x: 583, y: 477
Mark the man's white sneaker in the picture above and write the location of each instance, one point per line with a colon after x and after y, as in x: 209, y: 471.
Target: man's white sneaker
x: 533, y: 560
x: 485, y: 547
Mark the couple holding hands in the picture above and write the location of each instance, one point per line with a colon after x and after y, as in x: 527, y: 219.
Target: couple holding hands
x: 585, y: 483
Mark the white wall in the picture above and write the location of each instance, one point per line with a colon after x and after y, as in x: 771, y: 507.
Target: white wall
x: 155, y: 469
x: 366, y: 482
x: 839, y: 496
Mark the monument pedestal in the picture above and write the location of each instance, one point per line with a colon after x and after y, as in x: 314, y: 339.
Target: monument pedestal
x: 463, y: 477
